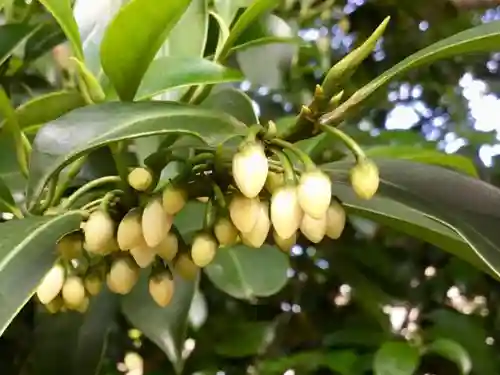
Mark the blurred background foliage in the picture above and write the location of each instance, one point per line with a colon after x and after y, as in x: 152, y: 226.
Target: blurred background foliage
x: 355, y: 306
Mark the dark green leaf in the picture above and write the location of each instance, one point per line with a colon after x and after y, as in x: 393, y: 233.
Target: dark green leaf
x: 134, y: 37
x: 27, y: 251
x: 242, y: 339
x: 7, y: 203
x: 453, y: 351
x: 233, y: 271
x: 9, y: 169
x: 166, y: 327
x: 43, y: 40
x: 172, y: 72
x: 77, y: 340
x: 62, y: 12
x: 234, y: 102
x: 62, y: 141
x: 396, y: 358
x: 13, y: 35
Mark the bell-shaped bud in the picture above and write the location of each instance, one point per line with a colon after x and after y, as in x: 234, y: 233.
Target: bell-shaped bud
x: 285, y: 244
x: 315, y: 193
x: 365, y: 179
x: 225, y: 232
x: 122, y: 276
x: 83, y: 306
x: 129, y: 233
x: 257, y: 236
x: 274, y: 181
x: 133, y: 361
x: 143, y: 255
x: 51, y: 284
x: 70, y: 246
x: 168, y: 248
x: 335, y: 220
x: 203, y: 249
x: 174, y: 199
x: 99, y: 230
x: 55, y: 305
x: 155, y: 223
x: 313, y: 229
x: 140, y: 179
x: 286, y: 213
x: 161, y: 288
x: 185, y: 267
x: 110, y: 247
x: 244, y: 212
x: 93, y: 284
x: 73, y: 292
x: 250, y: 168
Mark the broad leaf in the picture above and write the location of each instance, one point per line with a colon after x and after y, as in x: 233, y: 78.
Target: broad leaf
x: 13, y: 35
x: 62, y: 141
x: 43, y: 40
x: 166, y: 327
x: 172, y: 72
x: 452, y: 351
x: 78, y: 341
x: 44, y: 108
x: 234, y: 271
x: 134, y: 37
x: 466, y: 205
x: 485, y: 37
x: 396, y: 358
x: 234, y: 102
x: 27, y: 252
x: 62, y: 12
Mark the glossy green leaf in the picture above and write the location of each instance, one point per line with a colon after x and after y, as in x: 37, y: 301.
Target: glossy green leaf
x: 172, y: 72
x: 134, y: 37
x: 7, y: 203
x: 78, y: 341
x: 233, y: 271
x: 396, y: 358
x: 427, y: 156
x: 43, y: 40
x: 166, y: 327
x: 27, y: 252
x: 485, y: 37
x: 452, y: 351
x: 466, y: 205
x: 62, y: 12
x: 233, y: 102
x: 13, y: 35
x: 62, y: 141
x: 44, y: 108
x: 236, y: 339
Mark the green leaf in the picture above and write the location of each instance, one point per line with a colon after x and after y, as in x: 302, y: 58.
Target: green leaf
x: 427, y: 156
x: 234, y: 102
x: 134, y: 37
x: 396, y: 358
x: 481, y: 38
x: 233, y: 271
x: 43, y: 40
x: 453, y: 351
x: 62, y: 12
x: 171, y: 72
x: 227, y: 9
x: 113, y: 122
x: 78, y: 341
x: 9, y: 169
x: 13, y: 35
x: 166, y: 327
x: 27, y: 252
x: 236, y: 339
x: 44, y: 108
x: 7, y: 203
x: 466, y: 205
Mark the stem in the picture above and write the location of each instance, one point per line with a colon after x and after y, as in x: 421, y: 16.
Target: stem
x: 304, y: 158
x: 288, y: 171
x: 347, y: 140
x: 219, y: 196
x: 106, y: 200
x: 121, y: 166
x: 91, y: 204
x: 72, y: 173
x: 209, y: 218
x: 48, y: 198
x: 13, y: 127
x: 89, y: 186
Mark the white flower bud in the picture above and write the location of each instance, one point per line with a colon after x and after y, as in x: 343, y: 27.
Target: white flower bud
x: 155, y: 223
x: 250, y: 167
x: 203, y: 249
x: 313, y: 229
x: 122, y: 276
x: 335, y: 220
x: 285, y: 244
x: 286, y: 213
x: 99, y: 230
x: 73, y: 292
x: 257, y: 236
x: 315, y: 193
x: 365, y: 179
x: 174, y: 199
x: 51, y: 284
x: 225, y: 232
x: 244, y: 212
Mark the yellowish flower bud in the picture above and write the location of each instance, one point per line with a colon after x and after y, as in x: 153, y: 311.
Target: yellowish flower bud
x: 168, y: 248
x: 174, y: 199
x: 244, y: 212
x: 155, y: 223
x: 313, y: 229
x: 365, y: 179
x: 83, y: 306
x: 274, y: 181
x: 143, y: 255
x: 315, y: 193
x: 99, y: 230
x: 285, y: 244
x: 129, y: 234
x: 70, y: 246
x: 55, y: 305
x: 51, y: 284
x: 140, y: 179
x: 225, y: 232
x: 161, y: 288
x: 257, y: 236
x: 93, y: 284
x: 286, y: 213
x: 335, y: 220
x: 250, y: 167
x: 122, y: 276
x: 185, y: 267
x: 203, y: 249
x: 73, y: 292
